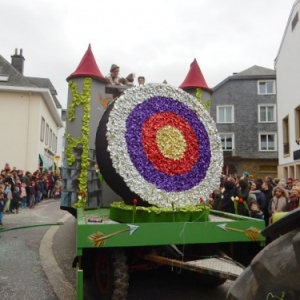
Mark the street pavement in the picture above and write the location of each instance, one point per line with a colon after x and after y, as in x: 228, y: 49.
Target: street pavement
x: 27, y: 261
x: 36, y: 263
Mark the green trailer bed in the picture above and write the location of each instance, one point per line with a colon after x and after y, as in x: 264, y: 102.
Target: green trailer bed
x: 222, y: 228
x: 96, y: 231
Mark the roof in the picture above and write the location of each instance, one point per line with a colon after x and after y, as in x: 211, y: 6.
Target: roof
x: 195, y: 79
x: 45, y: 83
x: 15, y: 78
x: 88, y: 67
x: 254, y: 72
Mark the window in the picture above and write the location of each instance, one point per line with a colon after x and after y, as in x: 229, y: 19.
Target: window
x: 227, y: 141
x: 42, y: 129
x: 4, y: 78
x: 286, y: 135
x: 266, y: 113
x: 50, y: 139
x: 295, y: 21
x: 225, y: 114
x: 47, y: 134
x: 53, y: 141
x: 55, y: 149
x: 266, y: 87
x: 267, y: 142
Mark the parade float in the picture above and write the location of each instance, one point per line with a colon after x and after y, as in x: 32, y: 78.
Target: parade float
x: 140, y: 163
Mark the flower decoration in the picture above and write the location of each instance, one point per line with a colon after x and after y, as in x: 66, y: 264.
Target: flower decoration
x: 164, y: 145
x: 236, y: 202
x: 84, y: 100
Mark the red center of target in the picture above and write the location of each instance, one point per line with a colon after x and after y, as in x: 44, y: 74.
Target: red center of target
x: 168, y: 165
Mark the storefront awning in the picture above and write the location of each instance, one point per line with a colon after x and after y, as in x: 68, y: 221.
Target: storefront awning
x: 44, y: 162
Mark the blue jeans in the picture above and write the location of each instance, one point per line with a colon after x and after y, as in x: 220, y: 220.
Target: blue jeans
x: 24, y: 202
x: 1, y: 216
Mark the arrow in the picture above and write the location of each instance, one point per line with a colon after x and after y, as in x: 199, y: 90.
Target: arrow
x: 99, y: 238
x: 252, y: 232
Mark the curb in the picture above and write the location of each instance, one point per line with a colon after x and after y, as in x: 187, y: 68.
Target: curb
x: 63, y: 289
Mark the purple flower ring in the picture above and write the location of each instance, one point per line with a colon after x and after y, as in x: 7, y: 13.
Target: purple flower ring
x: 164, y: 145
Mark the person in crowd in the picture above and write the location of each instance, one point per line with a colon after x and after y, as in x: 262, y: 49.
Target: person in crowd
x: 1, y: 206
x: 37, y: 191
x: 268, y: 179
x: 279, y: 202
x: 15, y: 200
x: 276, y: 181
x: 255, y: 212
x: 51, y: 182
x: 282, y: 183
x: 23, y: 195
x: 289, y: 184
x: 57, y: 189
x: 128, y: 80
x: 113, y: 76
x: 294, y: 198
x: 141, y: 80
x: 27, y: 178
x: 243, y: 192
x: 45, y: 186
x: 10, y: 180
x: 260, y: 196
x: 8, y: 197
x: 31, y: 194
x: 230, y: 191
x: 217, y: 199
x: 267, y: 188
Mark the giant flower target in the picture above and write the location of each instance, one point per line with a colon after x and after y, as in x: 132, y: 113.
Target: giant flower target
x: 164, y: 145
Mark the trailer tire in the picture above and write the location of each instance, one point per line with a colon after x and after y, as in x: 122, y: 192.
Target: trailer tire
x: 110, y: 278
x: 273, y: 274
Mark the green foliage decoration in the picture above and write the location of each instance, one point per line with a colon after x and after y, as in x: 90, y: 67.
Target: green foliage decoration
x: 84, y: 100
x: 199, y: 98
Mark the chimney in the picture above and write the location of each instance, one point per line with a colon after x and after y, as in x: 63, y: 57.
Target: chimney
x: 17, y: 61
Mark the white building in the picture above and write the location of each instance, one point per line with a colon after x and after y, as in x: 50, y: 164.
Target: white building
x: 29, y: 119
x: 287, y: 66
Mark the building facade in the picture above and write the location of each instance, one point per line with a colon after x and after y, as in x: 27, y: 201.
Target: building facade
x: 29, y: 118
x: 287, y: 66
x: 244, y: 109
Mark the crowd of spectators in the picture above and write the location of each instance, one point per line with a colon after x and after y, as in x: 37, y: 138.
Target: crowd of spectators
x: 19, y: 190
x: 257, y: 198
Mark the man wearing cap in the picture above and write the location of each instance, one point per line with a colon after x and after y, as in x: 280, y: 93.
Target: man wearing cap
x: 113, y: 76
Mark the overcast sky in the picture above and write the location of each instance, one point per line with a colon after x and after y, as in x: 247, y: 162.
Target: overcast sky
x: 158, y: 39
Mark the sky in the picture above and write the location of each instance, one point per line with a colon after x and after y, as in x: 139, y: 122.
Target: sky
x: 158, y: 39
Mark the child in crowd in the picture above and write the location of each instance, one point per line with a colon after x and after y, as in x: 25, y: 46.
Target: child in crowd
x: 8, y: 197
x: 23, y: 195
x: 255, y: 212
x: 31, y: 194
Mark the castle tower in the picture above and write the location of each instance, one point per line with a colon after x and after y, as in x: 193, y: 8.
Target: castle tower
x: 81, y: 186
x: 194, y: 80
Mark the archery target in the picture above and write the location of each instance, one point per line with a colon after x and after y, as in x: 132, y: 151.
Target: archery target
x: 163, y: 144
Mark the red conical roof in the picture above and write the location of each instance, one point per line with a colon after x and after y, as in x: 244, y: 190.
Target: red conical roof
x: 88, y: 67
x: 195, y: 79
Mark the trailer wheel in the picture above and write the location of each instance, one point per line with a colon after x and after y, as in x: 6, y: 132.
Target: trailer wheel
x: 110, y: 277
x: 273, y: 274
